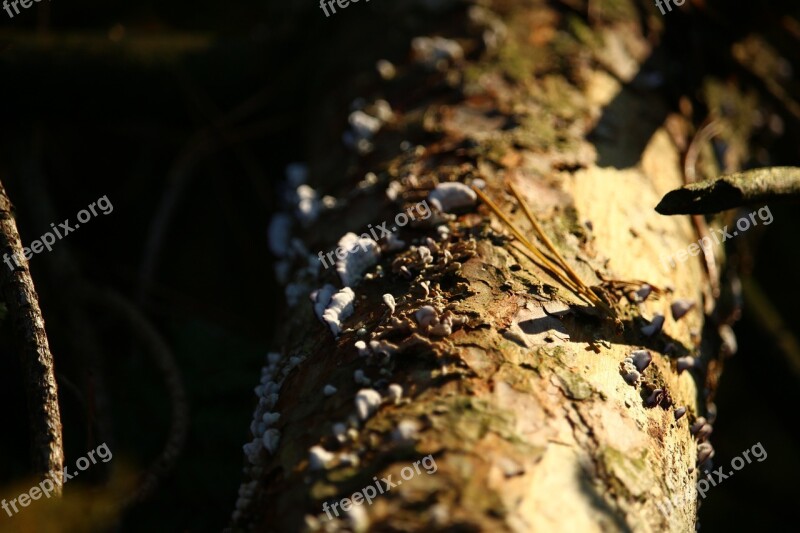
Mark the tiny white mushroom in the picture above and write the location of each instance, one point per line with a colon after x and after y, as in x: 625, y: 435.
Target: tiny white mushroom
x: 361, y: 346
x: 340, y: 308
x: 270, y: 418
x: 452, y: 195
x: 425, y: 315
x: 388, y: 299
x: 654, y: 326
x: 367, y: 402
x: 360, y: 378
x: 395, y: 392
x: 686, y: 362
x: 270, y: 439
x: 679, y: 308
x: 406, y: 430
x: 361, y: 253
x: 319, y: 457
x: 329, y: 390
x: 641, y: 359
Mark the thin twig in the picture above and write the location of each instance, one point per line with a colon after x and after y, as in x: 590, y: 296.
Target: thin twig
x: 153, y: 343
x: 549, y: 244
x: 37, y: 361
x: 535, y: 251
x: 757, y: 186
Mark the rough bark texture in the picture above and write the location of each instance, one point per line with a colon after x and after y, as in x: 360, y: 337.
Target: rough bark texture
x: 41, y: 390
x: 523, y: 406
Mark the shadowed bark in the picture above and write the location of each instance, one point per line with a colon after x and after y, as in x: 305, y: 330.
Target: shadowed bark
x: 522, y: 400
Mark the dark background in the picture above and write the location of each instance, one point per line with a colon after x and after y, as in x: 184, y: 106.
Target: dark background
x: 205, y: 103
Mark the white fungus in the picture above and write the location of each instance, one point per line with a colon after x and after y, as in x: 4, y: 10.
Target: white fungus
x: 271, y: 439
x: 319, y: 457
x: 395, y: 392
x: 270, y: 418
x: 436, y: 52
x: 406, y: 430
x: 641, y: 359
x: 679, y: 308
x: 339, y: 308
x: 321, y: 298
x: 367, y: 402
x: 360, y: 378
x: 654, y: 326
x: 308, y: 205
x: 361, y: 253
x: 361, y: 346
x: 425, y: 315
x: 329, y: 390
x: 364, y: 125
x: 388, y: 299
x: 340, y: 432
x: 279, y: 234
x: 452, y: 195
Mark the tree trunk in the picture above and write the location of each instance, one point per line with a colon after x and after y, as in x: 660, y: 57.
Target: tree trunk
x: 521, y: 399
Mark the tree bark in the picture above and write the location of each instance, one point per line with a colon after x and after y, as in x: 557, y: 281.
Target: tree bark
x: 523, y: 406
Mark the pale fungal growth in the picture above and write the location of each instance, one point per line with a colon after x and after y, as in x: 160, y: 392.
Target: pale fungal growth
x: 308, y: 205
x: 364, y: 125
x: 360, y: 378
x: 679, y: 412
x: 697, y: 425
x: 271, y: 439
x: 425, y: 316
x: 321, y: 298
x: 393, y: 190
x: 386, y: 69
x: 425, y: 254
x: 252, y: 450
x: 383, y: 110
x: 641, y: 359
x: 655, y: 398
x: 406, y: 431
x: 329, y: 390
x: 436, y: 52
x: 382, y: 347
x: 629, y: 373
x: 388, y: 299
x: 279, y: 234
x: 686, y: 362
x: 643, y: 292
x: 361, y: 346
x: 395, y: 393
x: 319, y: 457
x: 654, y: 326
x: 449, y: 196
x: 340, y: 432
x: 679, y: 308
x: 426, y: 288
x: 339, y: 309
x: 270, y: 418
x: 704, y: 452
x: 360, y: 254
x: 367, y: 402
x: 704, y: 432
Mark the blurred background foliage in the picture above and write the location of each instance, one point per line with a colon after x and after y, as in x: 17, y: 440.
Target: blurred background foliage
x: 188, y: 112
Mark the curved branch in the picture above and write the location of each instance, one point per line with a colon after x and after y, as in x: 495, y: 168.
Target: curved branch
x: 37, y: 361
